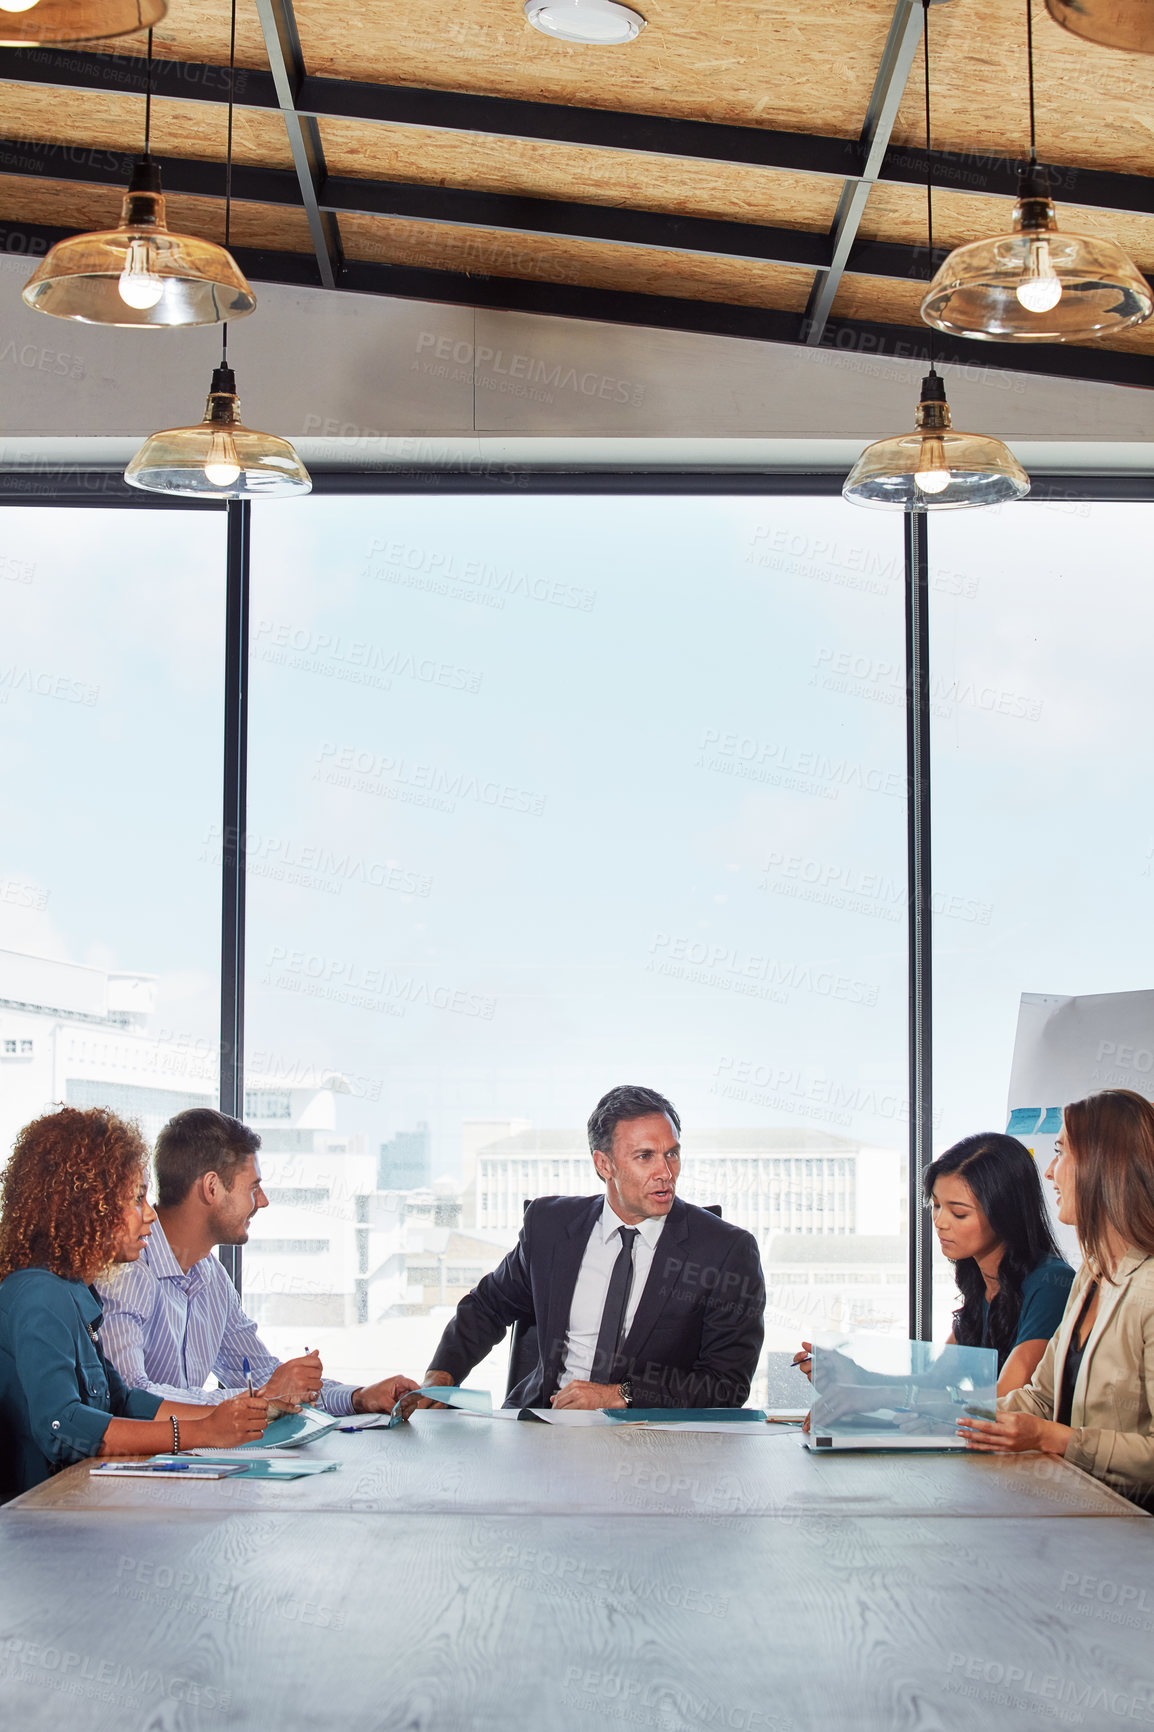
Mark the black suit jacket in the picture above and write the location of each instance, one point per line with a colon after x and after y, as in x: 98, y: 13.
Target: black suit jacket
x: 694, y: 1341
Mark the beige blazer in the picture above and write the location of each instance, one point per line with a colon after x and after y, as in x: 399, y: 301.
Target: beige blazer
x: 1113, y: 1401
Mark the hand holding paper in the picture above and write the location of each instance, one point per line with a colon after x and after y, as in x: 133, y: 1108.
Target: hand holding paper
x: 468, y: 1400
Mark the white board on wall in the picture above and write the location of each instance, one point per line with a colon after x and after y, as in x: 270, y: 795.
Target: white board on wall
x: 1066, y: 1048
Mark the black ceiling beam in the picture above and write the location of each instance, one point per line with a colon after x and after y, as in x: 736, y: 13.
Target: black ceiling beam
x: 119, y: 74
x: 608, y: 129
x: 499, y: 213
x: 561, y: 123
x: 96, y: 167
x: 511, y: 214
x: 975, y: 171
x: 665, y: 312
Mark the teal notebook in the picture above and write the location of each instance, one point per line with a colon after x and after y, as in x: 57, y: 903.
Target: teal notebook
x: 686, y: 1415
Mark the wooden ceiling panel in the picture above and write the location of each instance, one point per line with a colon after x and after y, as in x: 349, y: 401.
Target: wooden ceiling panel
x: 1095, y: 106
x: 898, y: 213
x: 759, y: 62
x: 111, y: 122
x: 534, y: 169
x: 196, y: 31
x: 62, y: 204
x: 590, y: 264
x: 880, y: 300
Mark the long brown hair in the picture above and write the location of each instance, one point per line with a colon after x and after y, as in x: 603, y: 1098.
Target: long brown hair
x: 64, y: 1192
x: 1111, y: 1137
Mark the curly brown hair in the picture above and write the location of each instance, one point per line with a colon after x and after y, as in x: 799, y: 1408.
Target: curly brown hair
x: 64, y: 1192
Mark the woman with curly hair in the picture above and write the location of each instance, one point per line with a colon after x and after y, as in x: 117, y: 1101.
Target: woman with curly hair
x: 73, y: 1201
x: 1091, y: 1399
x: 990, y: 1218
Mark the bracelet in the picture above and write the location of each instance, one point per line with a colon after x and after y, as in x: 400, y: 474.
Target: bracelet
x: 175, y: 1434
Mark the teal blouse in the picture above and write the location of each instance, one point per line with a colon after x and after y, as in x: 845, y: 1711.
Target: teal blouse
x: 57, y: 1390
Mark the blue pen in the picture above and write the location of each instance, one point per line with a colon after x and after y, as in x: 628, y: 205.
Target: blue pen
x: 171, y: 1466
x: 244, y: 1365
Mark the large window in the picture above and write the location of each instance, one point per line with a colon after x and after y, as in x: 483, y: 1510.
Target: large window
x: 1040, y: 622
x: 548, y: 794
x: 111, y: 679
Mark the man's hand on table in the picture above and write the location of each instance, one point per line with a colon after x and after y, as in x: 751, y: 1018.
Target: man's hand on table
x: 443, y: 1379
x: 295, y: 1381
x: 382, y: 1397
x: 582, y: 1394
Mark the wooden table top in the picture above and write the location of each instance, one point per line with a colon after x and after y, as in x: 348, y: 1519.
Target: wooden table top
x: 447, y: 1463
x: 118, y: 1621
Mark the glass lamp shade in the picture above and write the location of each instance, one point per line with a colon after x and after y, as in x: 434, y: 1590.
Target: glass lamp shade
x: 140, y: 274
x: 1113, y: 23
x: 1037, y: 285
x: 935, y: 468
x: 220, y: 458
x: 25, y: 22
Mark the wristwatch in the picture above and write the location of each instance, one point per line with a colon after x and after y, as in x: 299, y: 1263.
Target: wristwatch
x: 625, y: 1391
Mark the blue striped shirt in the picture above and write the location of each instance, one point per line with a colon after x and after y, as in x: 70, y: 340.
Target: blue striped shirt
x: 169, y: 1331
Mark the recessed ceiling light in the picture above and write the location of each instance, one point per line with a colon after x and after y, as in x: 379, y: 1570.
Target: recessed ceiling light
x: 601, y: 23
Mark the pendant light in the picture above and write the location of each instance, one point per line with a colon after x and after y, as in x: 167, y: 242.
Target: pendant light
x: 220, y: 458
x: 24, y: 23
x: 1037, y: 285
x: 140, y: 274
x: 1125, y: 24
x: 934, y: 468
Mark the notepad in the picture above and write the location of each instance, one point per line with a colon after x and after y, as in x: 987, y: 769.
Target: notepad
x: 168, y: 1467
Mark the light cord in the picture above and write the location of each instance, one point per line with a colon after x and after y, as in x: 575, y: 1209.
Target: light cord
x: 228, y: 166
x: 148, y: 97
x: 1030, y: 64
x: 929, y: 163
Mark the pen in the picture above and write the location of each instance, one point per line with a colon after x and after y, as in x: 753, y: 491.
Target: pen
x: 171, y: 1466
x: 244, y: 1365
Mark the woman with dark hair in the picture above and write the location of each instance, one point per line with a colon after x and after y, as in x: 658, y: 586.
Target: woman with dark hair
x: 990, y: 1218
x: 74, y: 1201
x: 1092, y: 1397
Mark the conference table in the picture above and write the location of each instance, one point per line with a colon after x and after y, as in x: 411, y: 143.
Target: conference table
x: 472, y: 1573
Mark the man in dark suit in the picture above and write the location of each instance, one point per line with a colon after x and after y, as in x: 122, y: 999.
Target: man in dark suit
x: 639, y: 1299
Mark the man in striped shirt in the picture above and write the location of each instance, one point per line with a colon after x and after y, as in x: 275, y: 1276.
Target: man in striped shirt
x: 174, y: 1319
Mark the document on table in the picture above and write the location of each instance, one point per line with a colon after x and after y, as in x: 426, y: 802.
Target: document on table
x: 570, y: 1415
x: 288, y: 1432
x: 477, y: 1401
x: 272, y: 1464
x: 689, y: 1418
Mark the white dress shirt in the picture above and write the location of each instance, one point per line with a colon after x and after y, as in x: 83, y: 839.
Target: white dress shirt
x: 168, y: 1332
x: 601, y: 1254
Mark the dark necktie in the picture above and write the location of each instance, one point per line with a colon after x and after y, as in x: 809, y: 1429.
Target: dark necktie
x: 613, y: 1316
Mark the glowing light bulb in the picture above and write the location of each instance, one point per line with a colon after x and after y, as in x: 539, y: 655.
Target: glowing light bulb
x: 1040, y: 288
x: 932, y: 474
x: 139, y: 284
x: 17, y: 5
x: 222, y: 465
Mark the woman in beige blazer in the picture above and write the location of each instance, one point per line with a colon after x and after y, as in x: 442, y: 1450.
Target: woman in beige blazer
x: 1092, y: 1397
